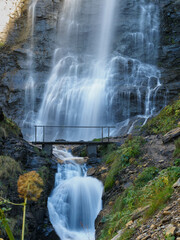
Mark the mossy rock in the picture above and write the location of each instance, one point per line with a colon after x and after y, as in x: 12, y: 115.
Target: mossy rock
x: 9, y: 128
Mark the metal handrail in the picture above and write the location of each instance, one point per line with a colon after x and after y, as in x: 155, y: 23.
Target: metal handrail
x: 61, y: 126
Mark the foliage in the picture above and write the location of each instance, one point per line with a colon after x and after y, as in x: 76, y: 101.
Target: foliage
x: 127, y: 234
x: 9, y: 168
x: 165, y: 121
x: 154, y: 192
x: 9, y: 127
x: 177, y: 150
x: 121, y: 158
x: 147, y: 175
x: 4, y: 223
x: 106, y: 150
x: 30, y: 186
x: 9, y: 173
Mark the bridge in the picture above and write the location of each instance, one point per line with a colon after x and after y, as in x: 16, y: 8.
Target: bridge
x: 48, y: 143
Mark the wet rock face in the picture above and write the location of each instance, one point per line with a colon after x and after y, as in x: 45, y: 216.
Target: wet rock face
x: 169, y: 46
x: 14, y: 70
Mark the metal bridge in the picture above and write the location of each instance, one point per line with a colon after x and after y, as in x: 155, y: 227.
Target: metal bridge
x: 91, y: 145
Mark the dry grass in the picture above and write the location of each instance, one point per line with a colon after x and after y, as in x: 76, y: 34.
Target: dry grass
x: 9, y: 168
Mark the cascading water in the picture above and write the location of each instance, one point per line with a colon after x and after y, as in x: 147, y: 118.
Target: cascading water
x: 95, y: 79
x: 75, y: 92
x: 75, y: 201
x: 30, y: 89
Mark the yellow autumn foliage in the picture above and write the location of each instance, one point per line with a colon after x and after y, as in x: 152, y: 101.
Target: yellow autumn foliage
x: 30, y: 186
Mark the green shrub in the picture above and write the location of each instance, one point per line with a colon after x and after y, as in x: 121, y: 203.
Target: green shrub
x: 9, y: 168
x: 121, y: 158
x: 8, y: 127
x: 147, y: 175
x: 165, y: 121
x: 154, y: 192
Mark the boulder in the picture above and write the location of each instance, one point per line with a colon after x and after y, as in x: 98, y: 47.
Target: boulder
x: 139, y: 212
x: 177, y: 184
x: 171, y: 135
x: 118, y: 235
x: 170, y: 230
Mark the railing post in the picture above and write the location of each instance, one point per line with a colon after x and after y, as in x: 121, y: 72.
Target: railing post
x: 35, y: 133
x: 43, y: 133
x: 108, y: 133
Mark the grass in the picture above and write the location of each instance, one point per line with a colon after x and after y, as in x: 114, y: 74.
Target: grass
x: 165, y: 121
x: 121, y: 158
x: 127, y: 234
x: 154, y: 191
x: 177, y: 150
x: 9, y: 173
x: 9, y: 168
x: 8, y: 127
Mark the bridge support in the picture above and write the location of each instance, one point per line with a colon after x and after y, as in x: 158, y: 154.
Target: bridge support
x: 92, y: 150
x: 47, y: 148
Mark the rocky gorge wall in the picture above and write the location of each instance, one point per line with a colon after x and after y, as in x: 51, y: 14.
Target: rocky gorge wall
x: 14, y: 69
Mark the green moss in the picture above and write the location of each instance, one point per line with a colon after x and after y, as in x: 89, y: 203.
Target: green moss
x: 121, y: 158
x: 154, y: 192
x: 165, y: 121
x: 8, y: 127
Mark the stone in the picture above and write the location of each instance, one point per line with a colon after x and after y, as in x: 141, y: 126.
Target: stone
x: 166, y: 213
x: 111, y: 203
x: 161, y: 161
x: 166, y: 219
x: 170, y: 230
x: 178, y: 233
x: 130, y: 223
x: 171, y: 135
x: 177, y: 184
x: 118, y: 235
x: 153, y: 226
x: 91, y: 171
x: 143, y: 236
x: 139, y: 212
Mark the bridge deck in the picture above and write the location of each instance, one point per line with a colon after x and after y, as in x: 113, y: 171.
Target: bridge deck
x: 73, y: 143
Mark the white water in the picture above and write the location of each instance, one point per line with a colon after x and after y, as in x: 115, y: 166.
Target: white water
x: 75, y: 201
x: 75, y: 91
x: 30, y: 84
x: 90, y: 83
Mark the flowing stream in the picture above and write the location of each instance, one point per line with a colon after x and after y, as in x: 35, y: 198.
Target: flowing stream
x: 104, y: 72
x: 75, y: 201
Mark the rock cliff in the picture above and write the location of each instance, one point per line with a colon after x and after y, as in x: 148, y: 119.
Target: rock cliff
x: 14, y: 69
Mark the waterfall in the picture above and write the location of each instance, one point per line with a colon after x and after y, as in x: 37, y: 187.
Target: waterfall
x: 101, y: 73
x: 75, y: 201
x: 30, y: 84
x: 75, y: 92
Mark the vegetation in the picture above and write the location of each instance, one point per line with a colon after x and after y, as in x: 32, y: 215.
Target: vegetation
x: 165, y: 121
x: 8, y: 127
x: 121, y: 158
x: 29, y: 188
x: 154, y: 190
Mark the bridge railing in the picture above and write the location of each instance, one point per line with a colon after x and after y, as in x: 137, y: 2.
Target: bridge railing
x: 44, y: 128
